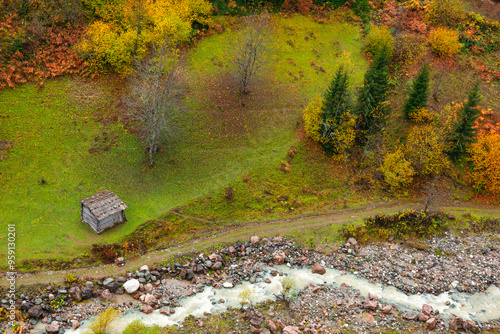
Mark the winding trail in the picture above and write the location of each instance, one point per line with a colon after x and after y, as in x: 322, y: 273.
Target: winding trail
x: 242, y: 231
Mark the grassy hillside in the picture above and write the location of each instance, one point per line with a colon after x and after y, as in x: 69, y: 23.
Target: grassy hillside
x: 70, y: 136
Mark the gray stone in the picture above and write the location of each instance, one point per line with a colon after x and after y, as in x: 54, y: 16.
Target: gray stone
x: 86, y: 293
x: 131, y: 286
x: 35, y: 311
x: 144, y: 268
x: 75, y: 293
x: 217, y: 265
x: 89, y: 284
x: 107, y: 281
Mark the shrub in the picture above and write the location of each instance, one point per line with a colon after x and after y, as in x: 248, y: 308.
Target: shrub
x: 377, y: 37
x: 425, y: 148
x: 408, y: 49
x: 135, y: 327
x: 485, y: 158
x: 246, y: 296
x: 338, y: 134
x: 71, y: 278
x: 301, y: 6
x: 101, y: 323
x: 445, y: 12
x: 312, y: 115
x: 407, y: 223
x: 397, y: 170
x: 444, y: 42
x: 422, y: 116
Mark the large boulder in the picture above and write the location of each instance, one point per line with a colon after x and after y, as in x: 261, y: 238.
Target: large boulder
x: 431, y: 323
x: 35, y: 311
x: 75, y: 293
x: 217, y: 265
x: 107, y: 282
x: 318, y: 269
x: 254, y: 240
x: 291, y: 330
x: 427, y: 309
x: 131, y: 286
x: 148, y: 288
x: 370, y: 305
x: 75, y: 324
x: 146, y: 309
x: 106, y: 295
x: 86, y: 293
x: 52, y: 329
x: 279, y: 257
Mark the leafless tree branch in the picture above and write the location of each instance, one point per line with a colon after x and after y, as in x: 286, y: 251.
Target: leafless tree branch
x: 251, y: 50
x: 154, y: 97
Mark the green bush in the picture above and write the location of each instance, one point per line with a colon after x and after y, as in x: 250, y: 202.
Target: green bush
x: 408, y: 223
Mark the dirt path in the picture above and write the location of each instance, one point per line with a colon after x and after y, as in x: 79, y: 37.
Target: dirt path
x: 241, y: 232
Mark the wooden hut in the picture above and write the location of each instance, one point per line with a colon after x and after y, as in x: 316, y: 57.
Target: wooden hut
x: 103, y: 211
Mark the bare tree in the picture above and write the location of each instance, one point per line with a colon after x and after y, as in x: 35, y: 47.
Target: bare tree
x: 155, y: 94
x: 252, y: 48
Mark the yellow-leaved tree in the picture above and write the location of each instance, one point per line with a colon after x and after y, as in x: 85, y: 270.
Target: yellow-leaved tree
x: 485, y: 158
x: 313, y: 115
x: 397, y: 171
x: 425, y: 149
x: 124, y: 29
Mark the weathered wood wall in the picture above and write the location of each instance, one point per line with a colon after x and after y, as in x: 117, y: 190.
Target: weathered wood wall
x: 103, y: 224
x: 89, y: 218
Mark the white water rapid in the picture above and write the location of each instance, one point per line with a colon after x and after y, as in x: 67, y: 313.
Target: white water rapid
x: 481, y: 307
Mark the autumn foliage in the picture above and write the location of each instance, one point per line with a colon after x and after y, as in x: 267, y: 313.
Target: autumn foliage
x: 37, y: 52
x: 485, y: 158
x: 123, y: 30
x: 444, y: 42
x: 397, y: 170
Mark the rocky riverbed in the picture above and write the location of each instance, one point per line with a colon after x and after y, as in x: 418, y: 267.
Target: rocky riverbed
x: 468, y: 264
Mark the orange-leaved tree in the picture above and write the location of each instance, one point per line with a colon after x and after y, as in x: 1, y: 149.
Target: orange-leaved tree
x: 485, y: 158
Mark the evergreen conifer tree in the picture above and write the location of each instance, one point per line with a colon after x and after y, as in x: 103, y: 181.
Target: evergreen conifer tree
x: 335, y: 112
x: 419, y: 93
x: 371, y: 97
x: 463, y: 132
x: 337, y: 99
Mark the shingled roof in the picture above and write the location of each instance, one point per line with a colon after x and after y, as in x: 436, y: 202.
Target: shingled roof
x: 104, y: 204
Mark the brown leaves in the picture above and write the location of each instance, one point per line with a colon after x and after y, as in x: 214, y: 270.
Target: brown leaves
x: 42, y: 56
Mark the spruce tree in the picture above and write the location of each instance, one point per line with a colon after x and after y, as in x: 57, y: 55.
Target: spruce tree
x: 337, y: 99
x: 463, y: 132
x: 335, y: 110
x: 371, y: 97
x: 419, y: 93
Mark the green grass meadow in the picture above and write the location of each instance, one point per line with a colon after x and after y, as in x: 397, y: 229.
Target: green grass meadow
x: 56, y: 136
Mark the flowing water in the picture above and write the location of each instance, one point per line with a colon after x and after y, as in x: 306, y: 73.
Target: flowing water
x: 481, y: 307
